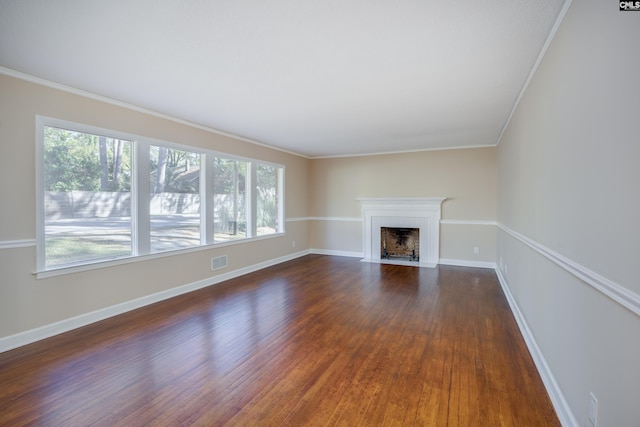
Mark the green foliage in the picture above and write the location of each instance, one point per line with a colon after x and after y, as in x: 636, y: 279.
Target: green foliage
x: 69, y: 161
x: 267, y: 200
x: 67, y: 250
x: 85, y: 162
x: 174, y: 171
x: 72, y: 162
x: 228, y: 175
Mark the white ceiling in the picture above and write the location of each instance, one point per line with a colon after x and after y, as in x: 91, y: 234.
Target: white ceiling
x: 321, y: 78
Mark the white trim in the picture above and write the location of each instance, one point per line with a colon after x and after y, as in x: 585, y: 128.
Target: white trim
x: 336, y: 218
x: 33, y: 335
x: 445, y: 261
x: 467, y: 263
x: 39, y: 188
x: 466, y: 222
x: 12, y: 244
x: 137, y: 258
x: 326, y: 218
x: 336, y: 253
x: 613, y: 290
x: 86, y: 94
x: 543, y: 51
x: 399, y: 262
x: 281, y: 195
x: 563, y: 410
x: 417, y: 150
x: 417, y: 203
x: 296, y: 219
x: 358, y: 219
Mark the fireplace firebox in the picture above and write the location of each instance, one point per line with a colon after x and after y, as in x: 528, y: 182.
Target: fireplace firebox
x: 400, y: 243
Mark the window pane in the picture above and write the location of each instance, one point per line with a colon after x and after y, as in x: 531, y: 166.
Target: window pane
x: 87, y: 197
x: 175, y: 199
x: 230, y: 196
x: 267, y: 200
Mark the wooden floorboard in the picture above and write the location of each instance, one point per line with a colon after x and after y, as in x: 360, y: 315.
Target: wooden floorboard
x: 319, y: 340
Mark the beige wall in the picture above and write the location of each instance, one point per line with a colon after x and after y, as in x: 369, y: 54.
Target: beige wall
x: 27, y: 303
x: 568, y: 180
x: 467, y: 177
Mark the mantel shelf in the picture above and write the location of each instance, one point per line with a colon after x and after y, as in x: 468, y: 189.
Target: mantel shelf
x: 384, y: 201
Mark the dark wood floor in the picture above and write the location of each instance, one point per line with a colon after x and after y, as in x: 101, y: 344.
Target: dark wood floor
x: 316, y: 341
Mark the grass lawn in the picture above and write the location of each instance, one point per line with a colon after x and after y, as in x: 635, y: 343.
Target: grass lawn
x: 72, y: 250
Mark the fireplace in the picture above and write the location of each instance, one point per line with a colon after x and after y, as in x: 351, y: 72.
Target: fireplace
x: 400, y: 243
x: 422, y: 214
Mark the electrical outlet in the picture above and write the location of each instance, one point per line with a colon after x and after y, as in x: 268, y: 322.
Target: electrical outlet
x: 593, y: 410
x: 476, y: 250
x: 293, y: 244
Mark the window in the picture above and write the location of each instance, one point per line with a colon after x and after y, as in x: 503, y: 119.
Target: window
x: 267, y: 199
x: 87, y: 197
x: 229, y: 199
x: 105, y: 195
x: 174, y: 207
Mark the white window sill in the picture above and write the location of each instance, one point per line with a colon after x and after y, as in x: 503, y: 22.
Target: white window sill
x: 127, y: 260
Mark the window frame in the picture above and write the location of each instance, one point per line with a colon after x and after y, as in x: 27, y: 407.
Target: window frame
x: 279, y: 194
x: 249, y: 196
x: 140, y: 197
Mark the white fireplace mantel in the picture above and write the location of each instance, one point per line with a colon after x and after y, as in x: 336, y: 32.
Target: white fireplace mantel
x: 423, y: 213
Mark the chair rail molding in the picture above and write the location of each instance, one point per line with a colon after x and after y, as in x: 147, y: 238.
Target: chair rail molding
x: 615, y: 291
x: 11, y: 244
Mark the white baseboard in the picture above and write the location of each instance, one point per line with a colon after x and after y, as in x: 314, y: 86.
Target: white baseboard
x: 445, y: 261
x: 37, y: 334
x: 563, y: 410
x: 336, y: 253
x: 468, y: 263
x: 400, y: 262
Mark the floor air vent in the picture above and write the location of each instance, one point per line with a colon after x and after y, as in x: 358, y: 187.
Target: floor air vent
x: 218, y: 262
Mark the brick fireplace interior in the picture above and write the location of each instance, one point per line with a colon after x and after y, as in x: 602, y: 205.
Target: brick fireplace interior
x: 400, y: 243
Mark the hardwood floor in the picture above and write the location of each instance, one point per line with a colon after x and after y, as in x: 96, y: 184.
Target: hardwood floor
x: 316, y: 341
